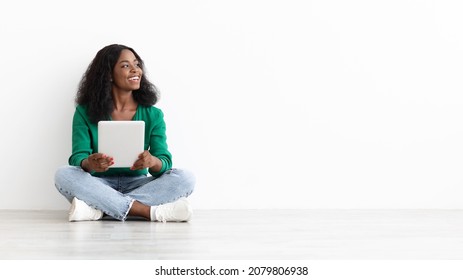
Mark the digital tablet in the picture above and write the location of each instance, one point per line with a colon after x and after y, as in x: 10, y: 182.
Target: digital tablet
x: 121, y: 140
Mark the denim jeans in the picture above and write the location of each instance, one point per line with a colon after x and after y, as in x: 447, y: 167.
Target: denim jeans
x: 114, y: 195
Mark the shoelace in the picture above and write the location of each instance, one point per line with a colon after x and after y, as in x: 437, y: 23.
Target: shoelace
x: 161, y: 217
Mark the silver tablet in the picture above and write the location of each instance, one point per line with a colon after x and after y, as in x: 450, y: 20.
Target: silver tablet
x: 122, y: 140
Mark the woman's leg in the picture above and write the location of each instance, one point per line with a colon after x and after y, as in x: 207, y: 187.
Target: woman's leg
x: 139, y: 209
x: 72, y: 181
x: 172, y: 185
x: 159, y: 198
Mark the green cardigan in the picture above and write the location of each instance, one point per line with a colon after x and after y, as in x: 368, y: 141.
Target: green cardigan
x: 85, y: 140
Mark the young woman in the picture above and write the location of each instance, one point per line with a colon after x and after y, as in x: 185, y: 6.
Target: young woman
x: 114, y: 88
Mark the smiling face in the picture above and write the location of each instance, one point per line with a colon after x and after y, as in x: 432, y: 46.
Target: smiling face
x: 127, y: 72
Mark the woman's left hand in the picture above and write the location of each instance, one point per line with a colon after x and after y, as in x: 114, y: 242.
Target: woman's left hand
x: 146, y: 160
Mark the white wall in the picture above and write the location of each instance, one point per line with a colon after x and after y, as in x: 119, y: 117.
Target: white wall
x: 273, y: 104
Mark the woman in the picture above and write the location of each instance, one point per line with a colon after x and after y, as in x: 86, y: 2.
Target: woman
x: 114, y: 88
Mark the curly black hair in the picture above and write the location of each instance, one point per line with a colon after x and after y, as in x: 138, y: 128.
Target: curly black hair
x: 94, y: 89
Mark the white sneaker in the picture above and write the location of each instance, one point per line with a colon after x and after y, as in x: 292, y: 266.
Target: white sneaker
x: 177, y: 211
x: 80, y: 211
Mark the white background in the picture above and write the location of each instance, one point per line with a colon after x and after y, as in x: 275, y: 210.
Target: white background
x: 272, y: 104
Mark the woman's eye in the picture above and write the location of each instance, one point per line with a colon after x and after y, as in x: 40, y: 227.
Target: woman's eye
x: 125, y: 66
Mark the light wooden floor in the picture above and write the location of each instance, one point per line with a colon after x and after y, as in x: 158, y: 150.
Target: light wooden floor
x: 239, y: 234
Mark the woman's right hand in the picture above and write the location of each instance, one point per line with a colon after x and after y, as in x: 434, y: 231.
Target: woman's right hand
x: 97, y: 162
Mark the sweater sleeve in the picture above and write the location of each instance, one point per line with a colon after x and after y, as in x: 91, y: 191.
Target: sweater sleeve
x: 81, y: 139
x: 158, y: 141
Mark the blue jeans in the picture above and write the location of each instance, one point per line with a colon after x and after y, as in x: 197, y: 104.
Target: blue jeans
x: 114, y: 195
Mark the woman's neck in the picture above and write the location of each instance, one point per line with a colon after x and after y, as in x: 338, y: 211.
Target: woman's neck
x: 124, y: 106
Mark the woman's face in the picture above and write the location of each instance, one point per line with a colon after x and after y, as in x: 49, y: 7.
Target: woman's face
x: 127, y: 72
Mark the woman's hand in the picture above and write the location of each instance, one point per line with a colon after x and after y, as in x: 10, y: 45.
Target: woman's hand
x: 97, y: 162
x: 146, y: 160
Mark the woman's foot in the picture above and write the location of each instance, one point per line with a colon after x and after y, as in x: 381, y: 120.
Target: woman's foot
x: 177, y: 211
x: 80, y: 211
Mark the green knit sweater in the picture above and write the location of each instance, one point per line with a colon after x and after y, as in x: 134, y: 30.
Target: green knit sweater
x: 85, y: 140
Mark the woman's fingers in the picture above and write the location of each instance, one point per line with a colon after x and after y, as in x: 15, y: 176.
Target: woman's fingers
x: 143, y: 161
x: 100, y: 162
